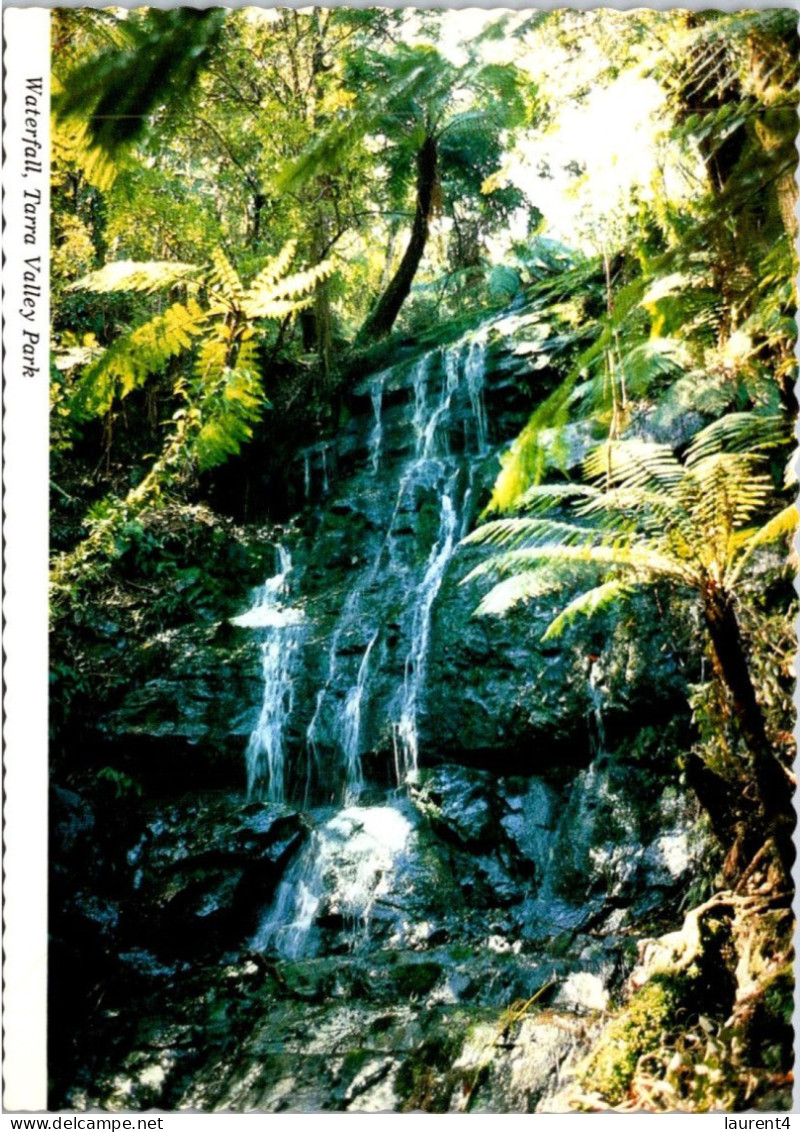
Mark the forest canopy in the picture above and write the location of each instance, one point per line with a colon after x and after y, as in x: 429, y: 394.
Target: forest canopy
x: 270, y: 229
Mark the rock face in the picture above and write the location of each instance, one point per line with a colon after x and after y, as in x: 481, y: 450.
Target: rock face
x: 363, y: 958
x: 419, y: 818
x: 360, y: 659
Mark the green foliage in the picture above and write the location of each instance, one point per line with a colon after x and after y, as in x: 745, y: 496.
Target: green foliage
x: 644, y: 513
x: 156, y: 55
x: 220, y: 399
x: 637, y: 1031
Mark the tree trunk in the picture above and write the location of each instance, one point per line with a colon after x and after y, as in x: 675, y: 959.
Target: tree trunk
x: 382, y: 318
x: 774, y: 794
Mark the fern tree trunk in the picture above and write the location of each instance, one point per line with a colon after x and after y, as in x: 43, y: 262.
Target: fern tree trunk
x: 774, y: 792
x: 382, y: 318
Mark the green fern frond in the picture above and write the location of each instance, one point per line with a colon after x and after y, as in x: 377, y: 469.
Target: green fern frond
x: 223, y: 276
x: 516, y: 533
x: 212, y: 361
x: 646, y: 557
x: 291, y: 288
x: 279, y: 308
x: 634, y: 465
x: 272, y: 271
x: 544, y: 497
x: 779, y: 526
x: 740, y: 432
x: 508, y: 593
x: 128, y: 362
x: 523, y: 464
x: 587, y: 605
x: 125, y: 275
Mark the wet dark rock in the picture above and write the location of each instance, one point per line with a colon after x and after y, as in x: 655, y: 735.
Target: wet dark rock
x: 445, y: 947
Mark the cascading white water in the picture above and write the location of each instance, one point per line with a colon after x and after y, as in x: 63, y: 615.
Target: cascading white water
x: 347, y: 863
x: 406, y: 741
x: 281, y: 626
x: 438, y: 379
x: 351, y: 727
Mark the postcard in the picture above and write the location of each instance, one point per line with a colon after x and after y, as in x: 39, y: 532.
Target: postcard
x: 399, y: 419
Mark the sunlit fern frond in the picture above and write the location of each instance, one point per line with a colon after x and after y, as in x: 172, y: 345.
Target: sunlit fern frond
x: 782, y: 525
x: 291, y: 288
x: 273, y: 270
x: 634, y: 465
x: 125, y: 275
x: 517, y: 533
x: 135, y: 356
x: 729, y: 485
x: 644, y: 557
x: 740, y: 432
x: 523, y: 464
x: 212, y: 360
x: 544, y: 497
x: 224, y: 278
x: 71, y: 145
x: 588, y: 604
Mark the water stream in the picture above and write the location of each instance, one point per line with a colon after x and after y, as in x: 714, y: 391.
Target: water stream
x: 430, y: 489
x: 280, y: 626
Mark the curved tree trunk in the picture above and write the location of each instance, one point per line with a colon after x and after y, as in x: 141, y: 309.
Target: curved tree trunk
x: 772, y: 783
x: 382, y: 318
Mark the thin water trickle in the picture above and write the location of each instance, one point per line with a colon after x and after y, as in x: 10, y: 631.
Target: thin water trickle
x: 377, y: 429
x: 281, y: 625
x: 405, y: 729
x: 306, y: 475
x: 351, y: 728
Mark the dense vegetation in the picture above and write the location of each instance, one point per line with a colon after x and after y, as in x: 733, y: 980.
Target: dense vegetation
x: 251, y: 211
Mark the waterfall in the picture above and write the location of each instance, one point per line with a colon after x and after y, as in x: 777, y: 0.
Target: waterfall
x: 475, y: 375
x: 344, y: 868
x: 281, y: 627
x: 351, y: 727
x: 406, y: 757
x: 369, y: 673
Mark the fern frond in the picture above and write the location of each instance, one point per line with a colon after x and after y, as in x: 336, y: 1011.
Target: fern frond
x: 223, y: 276
x: 280, y: 308
x: 740, y: 432
x: 290, y: 288
x: 544, y: 497
x: 587, y: 604
x: 129, y: 361
x: 634, y: 465
x: 508, y: 593
x: 71, y: 145
x: 125, y: 275
x: 515, y: 533
x: 780, y: 525
x: 273, y: 270
x: 523, y: 464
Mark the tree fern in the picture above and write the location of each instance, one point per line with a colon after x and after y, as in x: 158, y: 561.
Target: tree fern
x: 658, y: 518
x: 221, y: 399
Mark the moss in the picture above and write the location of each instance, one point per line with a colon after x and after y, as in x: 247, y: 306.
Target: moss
x: 424, y: 1080
x: 637, y: 1030
x: 417, y: 978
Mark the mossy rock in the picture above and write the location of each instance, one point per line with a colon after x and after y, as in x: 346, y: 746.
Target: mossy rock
x: 637, y: 1030
x: 424, y: 1080
x: 417, y: 979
